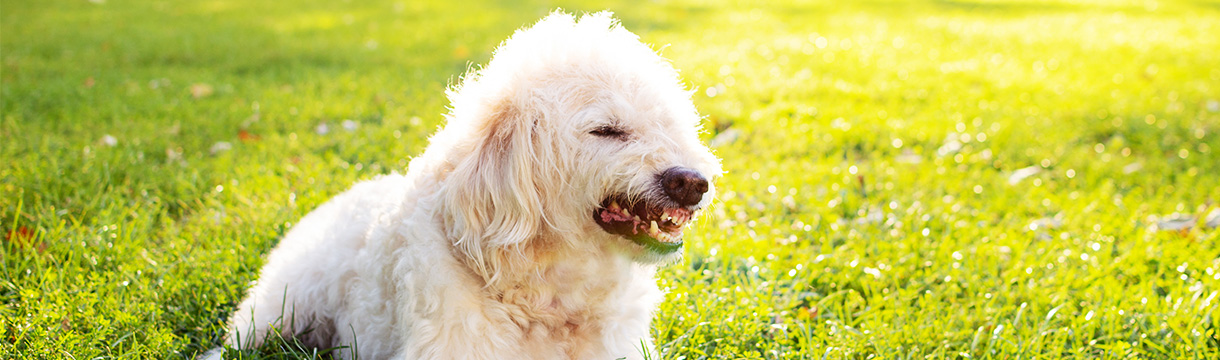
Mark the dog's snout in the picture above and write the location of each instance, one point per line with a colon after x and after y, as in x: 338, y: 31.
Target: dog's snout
x: 684, y: 185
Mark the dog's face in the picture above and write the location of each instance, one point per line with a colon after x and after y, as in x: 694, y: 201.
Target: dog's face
x: 580, y: 132
x: 646, y: 173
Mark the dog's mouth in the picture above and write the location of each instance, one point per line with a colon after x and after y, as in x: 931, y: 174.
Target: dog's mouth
x: 653, y: 226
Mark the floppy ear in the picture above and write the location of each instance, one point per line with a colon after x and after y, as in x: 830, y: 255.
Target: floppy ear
x: 492, y: 194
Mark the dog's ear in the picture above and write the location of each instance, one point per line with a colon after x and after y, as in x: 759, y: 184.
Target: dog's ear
x: 493, y: 196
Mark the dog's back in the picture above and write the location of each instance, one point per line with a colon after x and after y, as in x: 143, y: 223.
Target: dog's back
x: 323, y: 267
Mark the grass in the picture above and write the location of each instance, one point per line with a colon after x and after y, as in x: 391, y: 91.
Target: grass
x: 922, y: 179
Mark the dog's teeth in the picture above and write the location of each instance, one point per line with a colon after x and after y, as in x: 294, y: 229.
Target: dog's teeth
x: 654, y: 227
x: 628, y: 213
x: 614, y: 206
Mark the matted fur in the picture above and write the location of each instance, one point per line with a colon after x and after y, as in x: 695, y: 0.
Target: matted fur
x: 486, y: 248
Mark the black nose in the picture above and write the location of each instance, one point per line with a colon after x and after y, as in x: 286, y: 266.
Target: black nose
x: 684, y: 185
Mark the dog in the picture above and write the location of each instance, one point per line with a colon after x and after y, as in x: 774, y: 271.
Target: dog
x: 530, y: 227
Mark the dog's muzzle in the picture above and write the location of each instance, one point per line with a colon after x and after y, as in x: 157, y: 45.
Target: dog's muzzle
x: 655, y: 220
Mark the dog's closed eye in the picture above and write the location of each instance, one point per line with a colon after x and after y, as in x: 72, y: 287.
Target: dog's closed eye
x: 609, y: 131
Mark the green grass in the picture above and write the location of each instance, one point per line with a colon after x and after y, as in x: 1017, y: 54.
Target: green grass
x: 868, y: 210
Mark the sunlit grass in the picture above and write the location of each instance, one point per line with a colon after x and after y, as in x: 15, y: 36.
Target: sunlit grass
x: 965, y: 179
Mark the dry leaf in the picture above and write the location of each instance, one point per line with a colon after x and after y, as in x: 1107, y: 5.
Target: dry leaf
x: 200, y: 90
x: 246, y: 136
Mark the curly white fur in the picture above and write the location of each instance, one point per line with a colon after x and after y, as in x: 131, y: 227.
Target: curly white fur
x: 486, y: 248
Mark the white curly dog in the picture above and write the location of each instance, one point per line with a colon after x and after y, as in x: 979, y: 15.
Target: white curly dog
x: 531, y: 227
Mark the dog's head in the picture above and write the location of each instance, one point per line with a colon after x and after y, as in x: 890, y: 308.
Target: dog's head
x: 578, y: 134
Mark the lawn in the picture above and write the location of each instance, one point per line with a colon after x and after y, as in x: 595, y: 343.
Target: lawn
x: 923, y: 179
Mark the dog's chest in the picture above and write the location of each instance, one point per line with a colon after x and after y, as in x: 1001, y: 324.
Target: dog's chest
x: 569, y: 318
x: 568, y: 332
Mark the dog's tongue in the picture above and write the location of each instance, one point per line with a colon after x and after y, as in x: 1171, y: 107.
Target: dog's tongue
x: 618, y: 223
x: 611, y: 216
